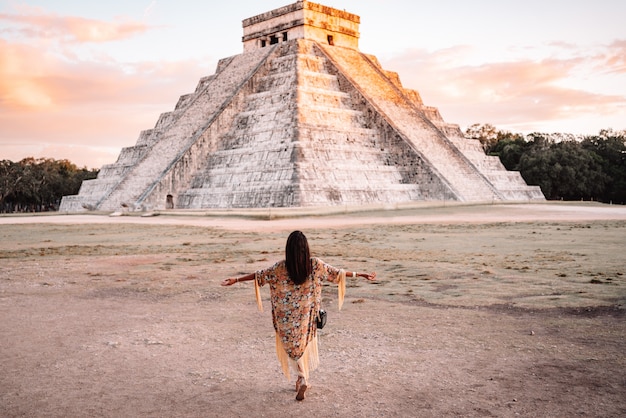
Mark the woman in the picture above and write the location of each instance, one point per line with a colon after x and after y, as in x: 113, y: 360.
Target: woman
x: 296, y: 294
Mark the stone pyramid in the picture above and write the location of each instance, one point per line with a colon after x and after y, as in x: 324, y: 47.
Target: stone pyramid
x: 301, y: 118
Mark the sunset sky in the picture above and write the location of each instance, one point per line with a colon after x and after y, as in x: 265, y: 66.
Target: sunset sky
x: 80, y: 79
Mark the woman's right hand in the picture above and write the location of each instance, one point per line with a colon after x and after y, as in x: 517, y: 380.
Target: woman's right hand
x: 229, y: 282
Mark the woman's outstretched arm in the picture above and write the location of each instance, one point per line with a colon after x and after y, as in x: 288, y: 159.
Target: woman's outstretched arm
x: 369, y: 276
x: 248, y: 277
x: 232, y: 280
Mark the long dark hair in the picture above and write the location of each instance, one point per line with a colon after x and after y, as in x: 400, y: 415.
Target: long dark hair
x: 298, y: 257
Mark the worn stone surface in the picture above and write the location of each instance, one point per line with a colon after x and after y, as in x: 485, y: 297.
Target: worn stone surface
x: 299, y: 122
x: 302, y: 20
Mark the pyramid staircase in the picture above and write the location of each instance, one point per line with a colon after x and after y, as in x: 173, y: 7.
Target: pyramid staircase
x: 298, y: 142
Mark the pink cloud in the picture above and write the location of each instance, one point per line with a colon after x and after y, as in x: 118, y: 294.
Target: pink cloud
x: 50, y: 104
x: 616, y: 57
x: 72, y: 28
x: 54, y: 103
x: 30, y: 78
x: 21, y: 66
x: 42, y: 71
x: 99, y: 91
x: 508, y: 93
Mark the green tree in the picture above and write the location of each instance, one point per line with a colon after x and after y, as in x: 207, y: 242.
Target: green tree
x: 10, y: 176
x: 565, y: 166
x: 510, y: 148
x: 610, y: 147
x: 39, y: 184
x: 563, y: 170
x: 487, y: 134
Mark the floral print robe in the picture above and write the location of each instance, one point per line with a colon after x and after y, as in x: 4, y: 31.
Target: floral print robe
x: 295, y: 307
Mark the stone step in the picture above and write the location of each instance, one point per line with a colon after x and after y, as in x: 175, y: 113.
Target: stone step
x: 285, y: 195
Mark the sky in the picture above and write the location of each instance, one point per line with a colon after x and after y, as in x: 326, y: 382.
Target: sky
x: 80, y: 79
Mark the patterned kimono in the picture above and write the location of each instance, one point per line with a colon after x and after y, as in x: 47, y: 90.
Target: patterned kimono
x: 294, y: 311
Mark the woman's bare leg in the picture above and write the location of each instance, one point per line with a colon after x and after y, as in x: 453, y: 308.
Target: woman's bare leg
x: 301, y: 384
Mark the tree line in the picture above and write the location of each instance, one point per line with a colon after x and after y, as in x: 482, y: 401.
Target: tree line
x: 37, y: 185
x: 565, y: 166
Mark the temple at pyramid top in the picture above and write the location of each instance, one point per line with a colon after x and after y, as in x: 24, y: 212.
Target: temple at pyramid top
x: 300, y: 118
x: 302, y: 20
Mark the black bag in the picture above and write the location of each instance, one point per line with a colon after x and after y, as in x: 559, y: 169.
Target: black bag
x: 321, y: 319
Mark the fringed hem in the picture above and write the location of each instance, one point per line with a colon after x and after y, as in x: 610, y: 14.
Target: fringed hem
x: 308, y: 362
x: 257, y: 294
x: 341, y: 288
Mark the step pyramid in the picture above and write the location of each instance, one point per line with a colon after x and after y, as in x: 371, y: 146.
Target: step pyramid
x: 300, y: 118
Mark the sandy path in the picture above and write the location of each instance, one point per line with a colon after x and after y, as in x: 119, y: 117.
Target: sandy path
x: 426, y: 215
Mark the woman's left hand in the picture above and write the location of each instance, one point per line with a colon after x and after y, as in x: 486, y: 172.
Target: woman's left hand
x: 369, y: 276
x: 229, y: 282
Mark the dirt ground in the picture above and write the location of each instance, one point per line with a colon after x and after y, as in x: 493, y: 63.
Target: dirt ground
x: 478, y: 311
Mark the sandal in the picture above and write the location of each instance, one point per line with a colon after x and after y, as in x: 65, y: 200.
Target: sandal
x: 301, y: 389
